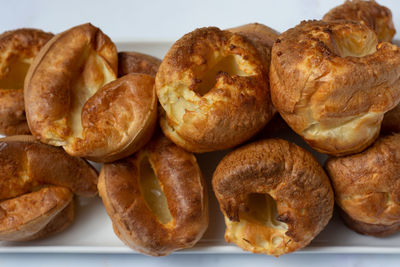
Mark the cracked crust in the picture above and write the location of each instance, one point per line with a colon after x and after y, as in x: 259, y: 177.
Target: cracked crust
x: 183, y: 186
x: 332, y: 83
x: 18, y: 48
x: 367, y: 187
x: 288, y: 174
x: 213, y: 89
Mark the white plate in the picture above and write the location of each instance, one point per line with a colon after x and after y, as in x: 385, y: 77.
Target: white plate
x: 92, y: 231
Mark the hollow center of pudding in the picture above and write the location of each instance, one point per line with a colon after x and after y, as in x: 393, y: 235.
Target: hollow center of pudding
x: 93, y: 73
x: 152, y: 192
x: 261, y: 209
x: 15, y: 73
x: 227, y: 64
x: 356, y: 45
x: 258, y: 230
x: 179, y: 97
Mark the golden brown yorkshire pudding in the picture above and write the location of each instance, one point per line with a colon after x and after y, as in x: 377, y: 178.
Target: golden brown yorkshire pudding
x: 37, y: 185
x: 156, y: 199
x: 134, y: 62
x: 73, y: 101
x: 332, y: 83
x: 370, y: 13
x: 367, y: 187
x: 378, y: 18
x: 17, y: 51
x: 274, y: 195
x: 213, y: 88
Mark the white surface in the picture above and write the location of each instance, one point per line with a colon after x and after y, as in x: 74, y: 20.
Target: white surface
x: 168, y: 20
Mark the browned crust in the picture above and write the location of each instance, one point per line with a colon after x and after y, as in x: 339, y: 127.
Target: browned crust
x: 235, y: 109
x: 183, y: 186
x: 257, y: 32
x: 134, y: 62
x: 289, y: 174
x: 313, y: 86
x: 62, y: 221
x: 36, y: 215
x: 47, y: 98
x: 26, y: 164
x: 12, y: 112
x: 367, y: 186
x: 263, y: 37
x: 118, y: 120
x: 24, y: 44
x: 378, y: 230
x: 370, y: 13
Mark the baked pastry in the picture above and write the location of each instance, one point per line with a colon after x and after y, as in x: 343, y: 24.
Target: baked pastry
x: 73, y: 100
x: 134, y: 62
x: 118, y: 120
x: 367, y: 187
x: 274, y: 195
x: 379, y: 19
x: 17, y: 51
x: 260, y: 34
x: 37, y: 186
x: 156, y: 199
x: 213, y: 89
x: 332, y: 83
x: 370, y: 13
x: 257, y: 32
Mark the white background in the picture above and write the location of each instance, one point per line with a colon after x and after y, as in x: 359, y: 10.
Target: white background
x: 168, y: 20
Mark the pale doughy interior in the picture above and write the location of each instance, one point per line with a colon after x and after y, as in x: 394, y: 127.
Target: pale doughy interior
x: 258, y: 230
x: 152, y: 192
x: 94, y: 74
x: 355, y: 45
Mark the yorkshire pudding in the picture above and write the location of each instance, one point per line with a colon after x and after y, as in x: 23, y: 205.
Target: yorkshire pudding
x: 156, y: 199
x: 37, y: 185
x: 367, y: 187
x: 370, y: 13
x: 71, y: 101
x: 134, y: 62
x: 332, y: 83
x: 17, y: 51
x: 274, y: 195
x: 213, y: 88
